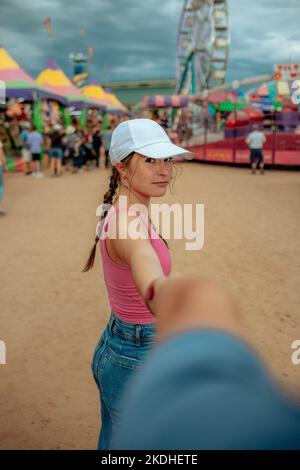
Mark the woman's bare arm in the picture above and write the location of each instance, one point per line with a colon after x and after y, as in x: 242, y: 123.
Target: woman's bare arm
x: 138, y: 254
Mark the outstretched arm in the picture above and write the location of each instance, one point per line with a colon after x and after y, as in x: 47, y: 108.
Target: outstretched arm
x: 137, y: 253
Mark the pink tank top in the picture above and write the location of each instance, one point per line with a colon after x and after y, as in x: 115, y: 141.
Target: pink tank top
x: 124, y: 298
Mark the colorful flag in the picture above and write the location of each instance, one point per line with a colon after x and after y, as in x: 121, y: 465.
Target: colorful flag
x: 91, y: 54
x: 48, y: 26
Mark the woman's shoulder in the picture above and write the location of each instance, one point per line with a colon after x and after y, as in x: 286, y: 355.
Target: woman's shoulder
x: 121, y: 223
x: 124, y: 216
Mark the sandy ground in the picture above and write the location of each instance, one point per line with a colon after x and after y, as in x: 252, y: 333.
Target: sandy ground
x: 52, y: 314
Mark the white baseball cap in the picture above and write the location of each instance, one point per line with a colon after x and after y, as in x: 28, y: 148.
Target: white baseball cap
x: 143, y: 136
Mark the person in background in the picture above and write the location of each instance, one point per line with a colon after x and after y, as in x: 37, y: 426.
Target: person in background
x: 78, y: 150
x: 203, y: 387
x: 2, y: 163
x: 56, y: 152
x: 35, y: 141
x: 86, y: 149
x: 70, y: 140
x: 184, y: 130
x: 106, y: 138
x: 97, y: 144
x: 156, y: 117
x: 26, y: 155
x: 47, y: 145
x: 165, y: 121
x: 256, y: 140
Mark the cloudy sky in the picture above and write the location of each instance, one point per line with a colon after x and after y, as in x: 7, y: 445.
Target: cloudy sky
x: 134, y: 39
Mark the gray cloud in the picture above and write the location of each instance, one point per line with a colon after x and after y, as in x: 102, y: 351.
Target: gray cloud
x: 263, y: 32
x: 137, y: 40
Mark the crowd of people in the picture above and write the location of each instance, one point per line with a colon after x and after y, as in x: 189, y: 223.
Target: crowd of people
x: 75, y: 148
x: 61, y: 148
x: 67, y: 148
x: 58, y: 149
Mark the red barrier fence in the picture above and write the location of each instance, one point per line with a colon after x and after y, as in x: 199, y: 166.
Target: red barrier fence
x: 280, y: 149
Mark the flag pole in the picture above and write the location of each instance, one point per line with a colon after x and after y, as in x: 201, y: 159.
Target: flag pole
x: 48, y: 25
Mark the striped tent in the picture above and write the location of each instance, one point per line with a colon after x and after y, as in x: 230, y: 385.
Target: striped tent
x: 158, y: 101
x: 93, y: 90
x: 19, y: 84
x: 114, y: 100
x: 221, y: 97
x: 54, y: 78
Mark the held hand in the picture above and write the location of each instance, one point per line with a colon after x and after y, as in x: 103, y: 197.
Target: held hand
x: 183, y: 302
x: 151, y: 291
x: 161, y: 295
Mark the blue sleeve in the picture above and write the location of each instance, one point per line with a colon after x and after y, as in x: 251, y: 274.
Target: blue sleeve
x: 206, y: 389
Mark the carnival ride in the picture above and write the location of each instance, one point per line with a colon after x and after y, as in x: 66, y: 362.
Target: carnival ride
x: 201, y: 65
x: 202, y: 46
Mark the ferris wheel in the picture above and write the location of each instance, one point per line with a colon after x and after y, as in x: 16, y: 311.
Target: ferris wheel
x: 202, y: 46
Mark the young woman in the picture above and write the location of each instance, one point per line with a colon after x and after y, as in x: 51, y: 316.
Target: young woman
x: 141, y: 155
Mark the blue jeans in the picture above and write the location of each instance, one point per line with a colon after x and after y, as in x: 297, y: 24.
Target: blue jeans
x: 56, y: 153
x: 120, y: 352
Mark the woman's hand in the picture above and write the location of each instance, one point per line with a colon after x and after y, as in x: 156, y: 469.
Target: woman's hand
x: 164, y: 293
x: 183, y: 302
x: 152, y: 290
